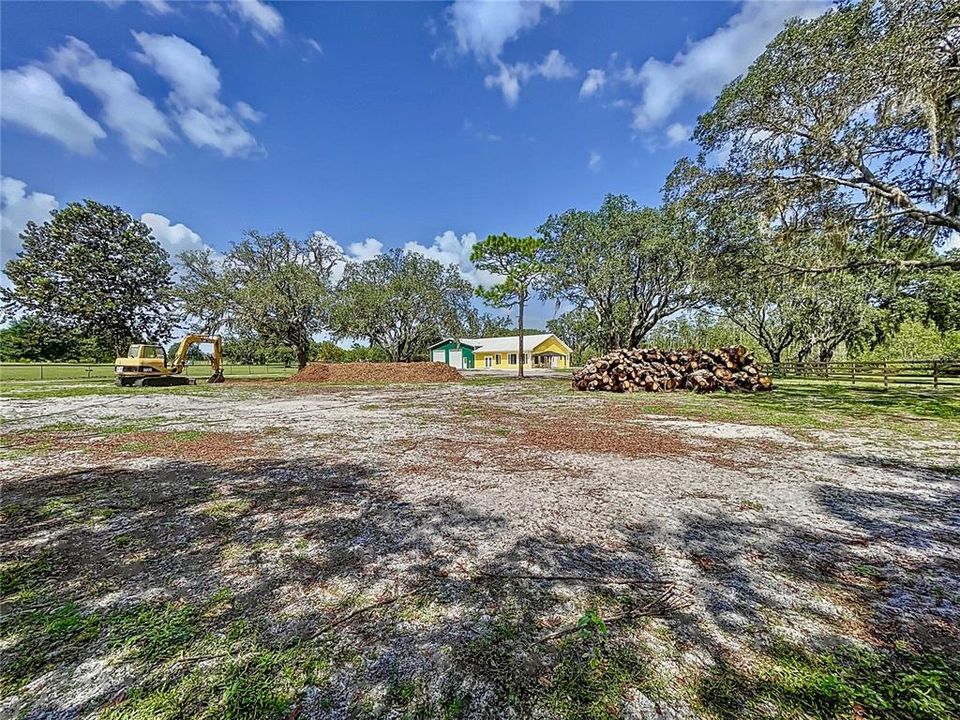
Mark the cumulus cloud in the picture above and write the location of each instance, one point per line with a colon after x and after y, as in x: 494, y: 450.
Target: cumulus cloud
x: 509, y: 77
x: 354, y: 252
x: 142, y: 127
x: 264, y: 20
x: 34, y: 100
x: 17, y: 208
x: 483, y: 28
x: 195, y: 95
x: 174, y: 238
x: 594, y: 162
x: 702, y: 69
x: 595, y: 80
x: 677, y: 132
x: 449, y: 249
x: 366, y: 250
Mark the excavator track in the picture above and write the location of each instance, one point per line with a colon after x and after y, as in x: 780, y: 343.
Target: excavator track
x: 165, y: 381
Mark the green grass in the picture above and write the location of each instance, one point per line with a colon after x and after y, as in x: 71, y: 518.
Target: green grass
x: 846, y: 682
x: 805, y: 405
x: 19, y: 372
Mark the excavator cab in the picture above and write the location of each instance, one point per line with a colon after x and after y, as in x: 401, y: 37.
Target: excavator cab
x: 146, y: 364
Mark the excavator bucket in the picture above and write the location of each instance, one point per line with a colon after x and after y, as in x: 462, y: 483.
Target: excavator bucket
x: 217, y: 377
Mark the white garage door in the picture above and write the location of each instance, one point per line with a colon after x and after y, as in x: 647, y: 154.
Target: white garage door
x: 440, y: 355
x: 456, y: 358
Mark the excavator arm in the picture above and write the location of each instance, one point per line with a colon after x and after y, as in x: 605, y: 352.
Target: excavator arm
x: 216, y: 359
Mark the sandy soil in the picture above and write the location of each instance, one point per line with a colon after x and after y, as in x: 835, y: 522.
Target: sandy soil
x: 306, y: 502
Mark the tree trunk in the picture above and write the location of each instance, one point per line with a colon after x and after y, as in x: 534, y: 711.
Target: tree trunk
x: 521, y: 301
x: 302, y: 356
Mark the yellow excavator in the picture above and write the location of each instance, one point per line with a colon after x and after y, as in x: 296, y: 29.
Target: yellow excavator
x: 146, y: 363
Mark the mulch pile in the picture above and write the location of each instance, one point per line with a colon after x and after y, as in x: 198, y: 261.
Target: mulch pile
x: 416, y: 372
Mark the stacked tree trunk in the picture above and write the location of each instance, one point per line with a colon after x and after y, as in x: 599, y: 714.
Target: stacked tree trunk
x: 732, y: 369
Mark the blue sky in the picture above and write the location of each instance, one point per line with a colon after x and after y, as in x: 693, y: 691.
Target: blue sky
x: 419, y: 125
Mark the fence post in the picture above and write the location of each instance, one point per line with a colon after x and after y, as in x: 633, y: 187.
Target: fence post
x: 41, y: 371
x: 885, y: 373
x: 853, y: 373
x: 936, y: 373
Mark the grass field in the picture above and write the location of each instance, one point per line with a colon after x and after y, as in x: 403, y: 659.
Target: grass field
x: 13, y: 372
x: 479, y: 549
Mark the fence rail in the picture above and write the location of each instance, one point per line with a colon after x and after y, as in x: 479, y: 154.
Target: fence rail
x: 101, y: 371
x: 938, y: 373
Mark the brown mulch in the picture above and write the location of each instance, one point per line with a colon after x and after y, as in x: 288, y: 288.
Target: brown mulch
x: 635, y: 442
x: 416, y: 372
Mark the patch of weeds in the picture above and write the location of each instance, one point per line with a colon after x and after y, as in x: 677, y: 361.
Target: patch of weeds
x: 123, y: 541
x: 44, y: 639
x: 750, y: 505
x: 502, y: 431
x: 226, y: 509
x: 154, y: 633
x: 64, y: 426
x: 846, y: 682
x: 9, y: 511
x: 101, y: 513
x: 187, y: 435
x: 252, y: 682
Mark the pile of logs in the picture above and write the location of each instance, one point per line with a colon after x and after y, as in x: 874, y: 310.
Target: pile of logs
x: 648, y: 369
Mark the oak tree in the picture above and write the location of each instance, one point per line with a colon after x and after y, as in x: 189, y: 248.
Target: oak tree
x: 94, y: 270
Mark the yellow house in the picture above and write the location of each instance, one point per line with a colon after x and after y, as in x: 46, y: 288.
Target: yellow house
x: 502, y: 353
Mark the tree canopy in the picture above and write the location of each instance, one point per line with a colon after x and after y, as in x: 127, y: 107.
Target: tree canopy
x: 271, y: 285
x: 400, y: 301
x: 518, y: 261
x: 630, y: 266
x: 95, y: 270
x: 844, y: 129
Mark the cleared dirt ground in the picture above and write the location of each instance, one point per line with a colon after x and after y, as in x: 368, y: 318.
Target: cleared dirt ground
x: 479, y: 549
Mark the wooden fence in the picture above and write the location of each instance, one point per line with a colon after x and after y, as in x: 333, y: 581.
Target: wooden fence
x: 938, y: 373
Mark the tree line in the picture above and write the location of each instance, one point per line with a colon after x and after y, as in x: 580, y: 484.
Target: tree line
x: 812, y: 220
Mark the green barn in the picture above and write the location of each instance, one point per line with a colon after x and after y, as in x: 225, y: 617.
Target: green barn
x: 453, y: 353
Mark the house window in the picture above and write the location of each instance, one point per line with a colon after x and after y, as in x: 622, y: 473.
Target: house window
x: 487, y: 362
x: 498, y: 358
x: 512, y: 359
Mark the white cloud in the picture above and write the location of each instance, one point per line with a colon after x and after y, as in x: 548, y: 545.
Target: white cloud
x: 314, y: 45
x: 264, y: 19
x: 705, y: 66
x: 17, y: 208
x: 175, y: 239
x: 483, y: 28
x: 157, y: 7
x: 510, y: 77
x: 595, y: 80
x: 247, y: 113
x: 33, y: 99
x: 594, y: 162
x: 354, y: 252
x: 677, y: 133
x: 366, y: 250
x: 448, y: 249
x: 142, y: 127
x: 953, y: 242
x: 195, y: 95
